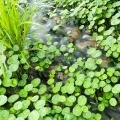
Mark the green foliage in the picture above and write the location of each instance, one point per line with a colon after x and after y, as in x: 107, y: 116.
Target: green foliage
x: 116, y: 88
x: 34, y: 115
x: 39, y: 104
x: 4, y: 114
x: 14, y: 23
x: 94, y: 53
x: 90, y: 64
x: 18, y: 105
x: 104, y: 26
x: 3, y: 100
x: 13, y: 98
x: 45, y: 80
x: 113, y: 102
x: 77, y: 110
x: 82, y: 100
x: 35, y: 82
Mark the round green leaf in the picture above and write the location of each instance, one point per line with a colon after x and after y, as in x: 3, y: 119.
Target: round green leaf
x: 35, y: 82
x: 39, y: 104
x: 3, y: 100
x: 82, y: 100
x: 24, y: 114
x: 13, y: 98
x: 18, y: 105
x: 101, y: 107
x: 28, y: 87
x: 34, y: 115
x: 4, y: 114
x: 90, y: 64
x: 107, y: 88
x: 77, y: 111
x: 42, y: 89
x: 113, y: 102
x: 116, y: 88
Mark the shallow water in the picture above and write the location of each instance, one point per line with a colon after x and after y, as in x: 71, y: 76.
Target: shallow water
x: 47, y: 27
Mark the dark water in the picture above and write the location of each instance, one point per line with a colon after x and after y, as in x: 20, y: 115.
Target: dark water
x: 111, y: 112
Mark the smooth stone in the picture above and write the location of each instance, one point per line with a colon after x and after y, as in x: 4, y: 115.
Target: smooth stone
x: 86, y: 37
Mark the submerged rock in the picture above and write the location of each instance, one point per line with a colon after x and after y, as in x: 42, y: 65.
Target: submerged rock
x: 84, y: 45
x: 64, y: 41
x: 86, y: 37
x: 74, y: 34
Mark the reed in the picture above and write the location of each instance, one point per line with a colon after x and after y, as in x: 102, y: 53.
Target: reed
x: 15, y: 22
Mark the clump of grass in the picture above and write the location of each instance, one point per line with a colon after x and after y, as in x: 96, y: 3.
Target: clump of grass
x: 15, y: 22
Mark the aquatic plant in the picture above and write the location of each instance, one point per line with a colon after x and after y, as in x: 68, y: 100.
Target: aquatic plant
x: 104, y: 26
x: 52, y: 79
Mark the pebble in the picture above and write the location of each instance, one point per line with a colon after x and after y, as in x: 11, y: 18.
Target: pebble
x: 86, y: 37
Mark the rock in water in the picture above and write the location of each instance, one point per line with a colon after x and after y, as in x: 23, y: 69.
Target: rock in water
x: 64, y: 41
x: 86, y: 37
x: 74, y: 34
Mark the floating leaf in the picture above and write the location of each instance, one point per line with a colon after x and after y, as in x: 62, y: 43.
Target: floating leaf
x: 35, y: 98
x: 82, y: 100
x: 34, y: 115
x: 109, y: 32
x: 107, y: 88
x: 25, y: 104
x: 101, y: 107
x: 28, y: 87
x: 70, y: 100
x: 18, y: 105
x: 113, y: 102
x: 90, y: 64
x: 14, y: 67
x: 115, y: 19
x: 2, y: 59
x: 62, y: 98
x: 87, y: 115
x: 41, y: 54
x: 66, y: 110
x: 80, y: 79
x: 4, y: 114
x: 55, y: 99
x: 116, y: 88
x: 39, y: 104
x: 20, y: 118
x: 77, y: 110
x: 116, y: 4
x: 72, y: 69
x: 23, y: 93
x: 3, y: 100
x: 13, y: 59
x: 50, y: 81
x: 44, y: 111
x: 24, y: 114
x: 13, y: 98
x: 94, y: 53
x: 12, y: 117
x: 42, y: 89
x: 57, y: 109
x: 35, y: 82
